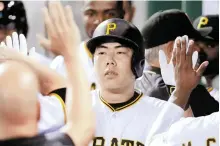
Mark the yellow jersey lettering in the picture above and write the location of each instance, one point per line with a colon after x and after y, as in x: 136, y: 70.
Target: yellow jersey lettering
x: 110, y: 27
x: 203, y: 21
x: 98, y: 141
x: 210, y: 141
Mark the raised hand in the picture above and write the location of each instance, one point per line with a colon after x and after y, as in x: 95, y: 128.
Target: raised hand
x: 186, y: 77
x: 167, y: 69
x: 63, y: 33
x: 17, y: 43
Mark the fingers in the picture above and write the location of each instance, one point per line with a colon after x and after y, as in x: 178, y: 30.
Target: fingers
x: 9, y: 42
x: 45, y: 43
x: 3, y: 44
x: 189, y: 53
x: 54, y: 15
x: 23, y: 44
x: 61, y: 15
x: 48, y: 22
x: 194, y: 59
x: 15, y: 41
x: 176, y: 52
x: 183, y: 49
x: 202, y: 68
x: 69, y: 16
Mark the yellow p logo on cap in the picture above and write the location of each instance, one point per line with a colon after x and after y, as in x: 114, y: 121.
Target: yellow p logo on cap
x: 203, y: 21
x: 110, y: 27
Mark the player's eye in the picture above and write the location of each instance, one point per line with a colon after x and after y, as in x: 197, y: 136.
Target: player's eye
x: 111, y: 14
x: 101, y: 53
x: 121, y: 52
x: 89, y: 13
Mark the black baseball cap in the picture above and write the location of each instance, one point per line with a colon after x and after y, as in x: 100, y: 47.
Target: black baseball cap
x: 124, y: 33
x: 165, y: 26
x: 208, y: 26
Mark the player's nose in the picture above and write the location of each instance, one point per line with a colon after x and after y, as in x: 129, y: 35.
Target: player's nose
x: 111, y: 61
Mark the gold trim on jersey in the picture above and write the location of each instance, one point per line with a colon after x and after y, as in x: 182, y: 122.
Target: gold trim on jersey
x: 87, y: 51
x: 210, y: 89
x: 123, y: 107
x: 62, y: 103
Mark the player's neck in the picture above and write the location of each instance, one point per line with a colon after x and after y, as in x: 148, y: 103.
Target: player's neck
x: 117, y: 95
x: 8, y: 131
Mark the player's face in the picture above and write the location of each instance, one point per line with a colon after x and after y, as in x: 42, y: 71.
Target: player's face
x: 96, y: 12
x: 211, y: 50
x: 112, y: 63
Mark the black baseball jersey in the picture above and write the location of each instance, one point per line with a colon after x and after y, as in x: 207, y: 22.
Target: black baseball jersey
x: 52, y: 139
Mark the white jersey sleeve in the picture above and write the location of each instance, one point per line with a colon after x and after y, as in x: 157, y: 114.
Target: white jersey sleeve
x: 201, y: 131
x: 52, y: 112
x: 41, y: 58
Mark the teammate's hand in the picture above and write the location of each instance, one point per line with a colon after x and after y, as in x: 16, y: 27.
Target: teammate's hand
x: 167, y: 69
x: 18, y: 43
x: 63, y: 33
x: 185, y: 76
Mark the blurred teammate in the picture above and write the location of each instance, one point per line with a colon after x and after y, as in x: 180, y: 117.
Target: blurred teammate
x: 160, y: 31
x: 208, y: 26
x: 183, y: 132
x: 19, y: 125
x: 12, y: 19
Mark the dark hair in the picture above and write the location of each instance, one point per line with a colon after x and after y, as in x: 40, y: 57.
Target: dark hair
x: 119, y: 7
x: 130, y: 3
x: 114, y: 40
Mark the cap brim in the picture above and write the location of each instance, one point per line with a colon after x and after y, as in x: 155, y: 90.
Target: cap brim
x: 202, y: 34
x: 94, y: 42
x: 205, y: 31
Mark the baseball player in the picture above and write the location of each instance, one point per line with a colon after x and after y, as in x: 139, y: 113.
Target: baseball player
x: 19, y: 108
x: 124, y: 116
x: 208, y: 26
x: 202, y: 131
x: 14, y: 19
x: 51, y: 115
x: 160, y: 31
x: 93, y: 15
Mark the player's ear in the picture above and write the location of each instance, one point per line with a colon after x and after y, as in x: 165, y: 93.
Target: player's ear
x: 38, y: 110
x: 168, y: 49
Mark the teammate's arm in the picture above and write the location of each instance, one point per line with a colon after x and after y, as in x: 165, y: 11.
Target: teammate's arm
x: 64, y: 31
x: 49, y: 80
x: 186, y: 80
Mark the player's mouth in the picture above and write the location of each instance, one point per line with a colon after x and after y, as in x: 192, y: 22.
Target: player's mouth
x: 111, y: 74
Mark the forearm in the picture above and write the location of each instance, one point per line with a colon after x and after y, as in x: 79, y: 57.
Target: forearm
x: 49, y: 80
x: 78, y: 86
x: 180, y: 98
x: 78, y: 97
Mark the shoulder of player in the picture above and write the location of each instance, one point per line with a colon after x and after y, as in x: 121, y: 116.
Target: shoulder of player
x: 153, y: 101
x: 192, y: 123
